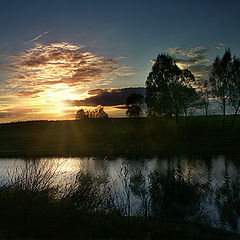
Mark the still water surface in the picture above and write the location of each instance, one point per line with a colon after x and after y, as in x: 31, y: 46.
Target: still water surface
x: 211, y: 170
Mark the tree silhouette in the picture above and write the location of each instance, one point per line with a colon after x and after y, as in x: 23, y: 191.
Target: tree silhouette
x: 96, y: 113
x: 235, y: 96
x: 204, y: 90
x: 81, y: 114
x: 189, y: 99
x: 221, y: 79
x: 134, y: 105
x: 168, y: 88
x: 100, y: 113
x: 173, y: 197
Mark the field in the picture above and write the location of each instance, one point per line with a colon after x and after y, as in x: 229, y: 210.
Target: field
x: 120, y: 137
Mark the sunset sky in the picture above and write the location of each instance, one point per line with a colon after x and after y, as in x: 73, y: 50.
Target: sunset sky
x: 59, y: 56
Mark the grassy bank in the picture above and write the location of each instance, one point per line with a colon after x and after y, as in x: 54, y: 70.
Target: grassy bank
x: 114, y: 137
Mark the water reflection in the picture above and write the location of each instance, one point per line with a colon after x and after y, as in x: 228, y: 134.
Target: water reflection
x: 220, y: 174
x: 215, y: 170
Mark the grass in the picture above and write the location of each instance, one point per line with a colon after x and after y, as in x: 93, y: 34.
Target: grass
x: 116, y: 137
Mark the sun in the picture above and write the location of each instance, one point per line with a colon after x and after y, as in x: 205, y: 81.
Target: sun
x: 54, y: 99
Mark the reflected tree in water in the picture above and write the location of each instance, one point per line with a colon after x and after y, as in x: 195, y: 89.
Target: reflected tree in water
x: 139, y: 188
x: 174, y: 198
x: 228, y: 200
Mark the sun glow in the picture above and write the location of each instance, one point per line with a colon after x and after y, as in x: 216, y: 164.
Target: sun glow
x: 57, y: 97
x: 45, y: 77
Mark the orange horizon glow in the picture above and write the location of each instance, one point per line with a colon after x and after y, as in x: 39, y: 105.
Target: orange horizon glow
x: 43, y: 78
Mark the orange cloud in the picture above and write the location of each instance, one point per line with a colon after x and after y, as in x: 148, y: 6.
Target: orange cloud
x: 29, y: 93
x: 63, y: 63
x: 42, y: 77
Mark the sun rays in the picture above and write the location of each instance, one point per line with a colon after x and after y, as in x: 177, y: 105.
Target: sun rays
x: 43, y: 77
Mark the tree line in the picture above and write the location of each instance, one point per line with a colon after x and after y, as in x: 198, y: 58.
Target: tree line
x: 96, y: 113
x: 174, y: 92
x: 171, y: 91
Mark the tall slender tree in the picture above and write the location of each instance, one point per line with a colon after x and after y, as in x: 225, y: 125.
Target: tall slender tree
x: 235, y: 96
x: 205, y: 93
x: 221, y: 79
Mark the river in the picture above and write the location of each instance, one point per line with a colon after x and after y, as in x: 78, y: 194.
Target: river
x: 214, y: 171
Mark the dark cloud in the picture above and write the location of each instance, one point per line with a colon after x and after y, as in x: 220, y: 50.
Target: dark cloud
x: 107, y: 97
x: 29, y: 93
x: 195, y: 59
x: 200, y: 70
x: 95, y: 91
x: 5, y: 114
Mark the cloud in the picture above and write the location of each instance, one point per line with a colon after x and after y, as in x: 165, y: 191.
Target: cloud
x: 29, y: 93
x: 5, y: 99
x: 107, y: 97
x: 118, y: 58
x: 96, y: 91
x: 38, y: 37
x: 190, y: 56
x: 63, y: 63
x: 5, y: 114
x: 44, y: 76
x: 220, y: 45
x: 200, y: 70
x: 195, y: 59
x: 177, y: 51
x: 15, y: 112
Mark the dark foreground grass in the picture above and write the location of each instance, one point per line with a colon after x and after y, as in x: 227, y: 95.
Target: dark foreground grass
x: 116, y: 137
x: 119, y: 228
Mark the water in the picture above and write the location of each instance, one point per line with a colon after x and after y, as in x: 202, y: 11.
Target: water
x: 214, y: 171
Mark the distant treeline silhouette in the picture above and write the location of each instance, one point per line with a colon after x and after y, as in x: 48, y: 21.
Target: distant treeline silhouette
x: 96, y: 113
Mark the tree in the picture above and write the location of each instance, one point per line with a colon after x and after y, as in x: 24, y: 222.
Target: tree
x: 81, y: 114
x: 204, y: 92
x: 189, y: 99
x: 235, y: 96
x: 172, y: 197
x: 134, y: 105
x: 166, y: 88
x: 207, y: 92
x: 221, y: 79
x: 96, y: 113
x: 100, y: 113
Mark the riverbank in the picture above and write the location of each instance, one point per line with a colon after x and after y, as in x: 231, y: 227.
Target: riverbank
x: 134, y: 228
x: 120, y: 137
